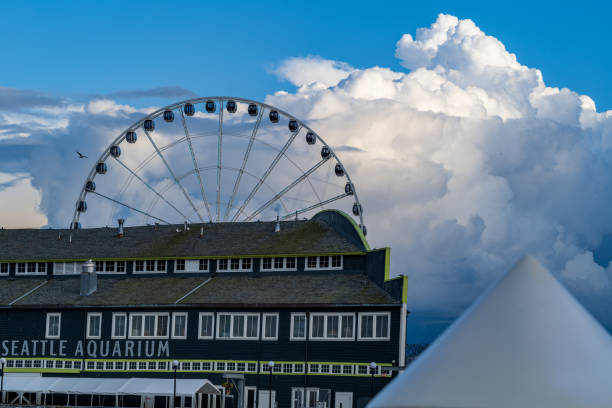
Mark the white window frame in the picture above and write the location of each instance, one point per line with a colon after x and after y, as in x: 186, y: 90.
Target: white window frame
x: 306, y: 325
x: 77, y: 268
x: 26, y: 273
x: 105, y: 270
x: 325, y: 338
x: 89, y: 316
x: 275, y: 269
x: 59, y: 326
x: 193, y: 266
x: 229, y: 265
x: 174, y: 315
x: 7, y: 266
x: 125, y: 327
x: 232, y: 337
x: 325, y: 268
x: 374, y: 338
x: 263, y: 326
x: 155, y: 270
x: 156, y: 314
x: 212, y: 336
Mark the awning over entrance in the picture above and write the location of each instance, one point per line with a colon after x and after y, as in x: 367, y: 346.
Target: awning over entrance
x: 108, y: 386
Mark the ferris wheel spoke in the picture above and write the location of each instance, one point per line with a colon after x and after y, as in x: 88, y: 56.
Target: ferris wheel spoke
x: 195, y: 164
x: 129, y: 206
x: 151, y: 188
x: 244, y: 162
x: 173, y: 175
x: 280, y: 154
x: 312, y: 207
x: 286, y: 189
x: 219, y: 147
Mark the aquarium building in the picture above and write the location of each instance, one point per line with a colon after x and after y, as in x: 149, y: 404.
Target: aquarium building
x: 288, y: 314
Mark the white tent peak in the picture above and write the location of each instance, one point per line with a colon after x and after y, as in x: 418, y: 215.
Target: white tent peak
x: 525, y: 342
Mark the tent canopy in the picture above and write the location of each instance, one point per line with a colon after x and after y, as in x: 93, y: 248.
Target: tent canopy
x: 109, y: 386
x: 526, y: 342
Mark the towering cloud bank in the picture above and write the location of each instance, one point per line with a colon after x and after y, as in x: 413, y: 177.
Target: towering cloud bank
x: 466, y: 162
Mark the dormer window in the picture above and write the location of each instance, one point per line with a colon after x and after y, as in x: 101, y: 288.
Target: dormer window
x: 235, y: 265
x: 279, y: 264
x: 324, y: 262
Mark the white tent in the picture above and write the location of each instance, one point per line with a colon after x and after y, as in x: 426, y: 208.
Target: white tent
x: 526, y: 342
x: 108, y: 386
x: 159, y: 386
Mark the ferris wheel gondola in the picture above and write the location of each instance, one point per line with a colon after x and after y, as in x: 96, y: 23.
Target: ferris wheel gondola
x: 246, y: 190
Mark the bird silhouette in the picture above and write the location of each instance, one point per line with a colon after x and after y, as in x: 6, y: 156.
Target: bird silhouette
x: 82, y: 156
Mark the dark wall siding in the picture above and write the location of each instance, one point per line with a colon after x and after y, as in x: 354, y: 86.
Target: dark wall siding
x: 30, y: 325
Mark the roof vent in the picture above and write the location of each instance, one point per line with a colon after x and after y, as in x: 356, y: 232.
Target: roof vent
x: 120, y: 221
x: 277, y: 227
x: 89, y: 279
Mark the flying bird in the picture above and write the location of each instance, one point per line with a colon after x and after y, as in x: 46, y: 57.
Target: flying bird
x: 82, y: 156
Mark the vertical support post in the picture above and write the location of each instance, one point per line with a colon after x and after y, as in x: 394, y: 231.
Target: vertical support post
x: 372, y: 371
x: 175, y: 365
x: 2, y: 363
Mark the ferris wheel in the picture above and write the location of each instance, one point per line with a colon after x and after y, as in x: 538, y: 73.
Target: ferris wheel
x: 215, y: 159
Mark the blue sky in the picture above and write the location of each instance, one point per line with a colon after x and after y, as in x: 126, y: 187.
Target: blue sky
x: 81, y: 48
x: 544, y: 179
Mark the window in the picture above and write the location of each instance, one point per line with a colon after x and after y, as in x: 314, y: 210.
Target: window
x: 4, y: 268
x: 324, y: 262
x: 94, y: 325
x: 192, y: 265
x: 119, y: 325
x: 298, y: 326
x: 374, y: 326
x: 237, y: 326
x: 149, y: 325
x: 67, y: 268
x: 31, y: 268
x: 150, y: 266
x: 205, y: 331
x: 235, y: 265
x: 278, y: 264
x: 270, y: 329
x: 179, y: 325
x: 332, y: 326
x: 53, y: 325
x: 110, y: 266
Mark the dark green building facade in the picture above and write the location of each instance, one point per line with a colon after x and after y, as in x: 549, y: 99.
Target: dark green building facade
x: 222, y: 299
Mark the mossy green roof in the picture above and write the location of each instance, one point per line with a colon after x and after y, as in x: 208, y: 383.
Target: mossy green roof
x: 218, y: 240
x: 324, y: 289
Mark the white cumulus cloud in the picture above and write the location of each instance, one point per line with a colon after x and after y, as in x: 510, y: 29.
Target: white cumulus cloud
x: 467, y: 161
x: 464, y: 161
